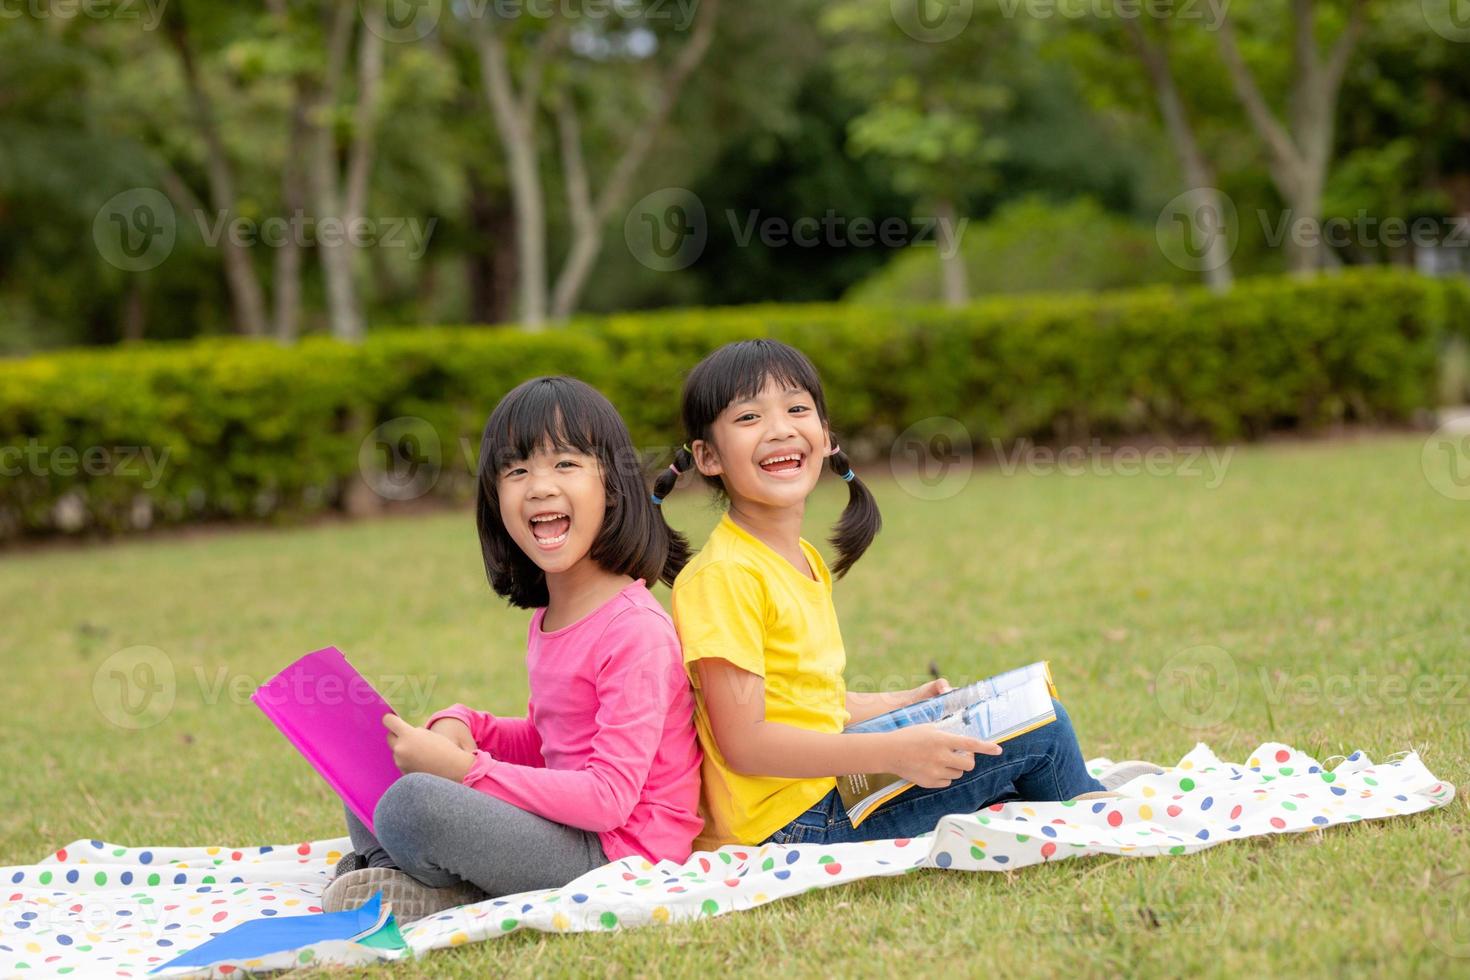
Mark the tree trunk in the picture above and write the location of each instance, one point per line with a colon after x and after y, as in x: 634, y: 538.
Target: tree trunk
x: 490, y: 260
x: 425, y: 290
x: 287, y: 275
x: 245, y: 293
x: 589, y: 216
x: 515, y: 122
x: 333, y: 203
x: 956, y: 287
x: 134, y: 318
x: 1300, y: 152
x: 515, y: 112
x: 1198, y: 174
x: 1305, y: 253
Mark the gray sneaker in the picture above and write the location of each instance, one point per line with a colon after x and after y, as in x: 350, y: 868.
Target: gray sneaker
x: 411, y: 899
x: 1124, y: 772
x: 351, y: 861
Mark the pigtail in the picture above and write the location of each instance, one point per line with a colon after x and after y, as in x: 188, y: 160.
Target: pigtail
x: 664, y: 485
x: 678, y: 551
x: 860, y: 520
x: 677, y: 557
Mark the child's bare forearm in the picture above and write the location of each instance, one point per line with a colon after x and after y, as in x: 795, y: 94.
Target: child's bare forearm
x: 769, y: 748
x: 869, y: 704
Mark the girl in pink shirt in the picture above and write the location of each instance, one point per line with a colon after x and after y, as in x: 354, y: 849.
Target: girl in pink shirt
x: 605, y: 765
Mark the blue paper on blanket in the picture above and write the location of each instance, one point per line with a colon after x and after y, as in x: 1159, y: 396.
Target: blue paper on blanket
x: 370, y: 923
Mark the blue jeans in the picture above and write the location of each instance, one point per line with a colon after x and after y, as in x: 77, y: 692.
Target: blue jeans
x: 1044, y: 764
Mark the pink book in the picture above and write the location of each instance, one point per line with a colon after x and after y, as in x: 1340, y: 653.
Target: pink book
x: 334, y: 717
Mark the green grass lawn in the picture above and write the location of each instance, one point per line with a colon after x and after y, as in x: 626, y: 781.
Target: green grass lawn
x: 1330, y: 574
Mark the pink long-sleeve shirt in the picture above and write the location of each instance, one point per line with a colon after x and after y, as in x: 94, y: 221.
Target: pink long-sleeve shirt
x: 608, y: 744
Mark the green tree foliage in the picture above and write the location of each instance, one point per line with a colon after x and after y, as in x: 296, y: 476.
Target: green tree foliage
x: 797, y: 110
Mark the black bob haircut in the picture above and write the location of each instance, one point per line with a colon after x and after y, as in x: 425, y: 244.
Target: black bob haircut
x: 740, y: 370
x: 565, y: 414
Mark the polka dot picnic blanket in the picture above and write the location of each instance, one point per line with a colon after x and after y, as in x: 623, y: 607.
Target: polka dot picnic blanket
x: 98, y: 909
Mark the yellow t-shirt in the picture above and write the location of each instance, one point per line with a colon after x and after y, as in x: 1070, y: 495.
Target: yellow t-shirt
x: 741, y: 601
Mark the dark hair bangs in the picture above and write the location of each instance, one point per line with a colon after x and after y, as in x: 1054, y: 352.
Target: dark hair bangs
x: 739, y: 371
x: 556, y: 413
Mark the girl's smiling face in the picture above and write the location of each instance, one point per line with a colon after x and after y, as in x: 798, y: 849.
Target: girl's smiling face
x: 552, y: 503
x: 768, y: 449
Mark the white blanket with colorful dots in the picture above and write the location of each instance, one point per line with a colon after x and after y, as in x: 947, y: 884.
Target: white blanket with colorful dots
x: 98, y: 909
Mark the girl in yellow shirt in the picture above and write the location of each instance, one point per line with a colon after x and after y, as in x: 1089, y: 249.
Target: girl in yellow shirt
x: 762, y: 646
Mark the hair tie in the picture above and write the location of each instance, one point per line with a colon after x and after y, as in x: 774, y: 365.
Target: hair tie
x: 655, y: 497
x: 849, y: 474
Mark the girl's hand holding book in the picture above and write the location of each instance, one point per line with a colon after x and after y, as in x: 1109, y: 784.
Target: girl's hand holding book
x: 931, y: 757
x: 456, y: 731
x: 420, y: 750
x: 932, y: 689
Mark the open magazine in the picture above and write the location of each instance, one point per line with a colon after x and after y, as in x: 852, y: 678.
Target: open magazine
x: 995, y: 709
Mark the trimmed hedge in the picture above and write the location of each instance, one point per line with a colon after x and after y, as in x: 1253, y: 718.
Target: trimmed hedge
x: 254, y: 430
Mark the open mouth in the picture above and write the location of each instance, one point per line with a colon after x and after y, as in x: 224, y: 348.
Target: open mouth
x: 550, y: 529
x: 783, y: 463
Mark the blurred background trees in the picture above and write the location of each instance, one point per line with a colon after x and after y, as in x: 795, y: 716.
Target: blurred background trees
x: 494, y: 151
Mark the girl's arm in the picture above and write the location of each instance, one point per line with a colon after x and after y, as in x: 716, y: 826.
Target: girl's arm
x: 512, y: 739
x: 721, y: 613
x: 635, y: 685
x: 735, y: 701
x: 863, y: 706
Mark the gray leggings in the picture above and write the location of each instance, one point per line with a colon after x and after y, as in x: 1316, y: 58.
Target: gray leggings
x: 442, y: 832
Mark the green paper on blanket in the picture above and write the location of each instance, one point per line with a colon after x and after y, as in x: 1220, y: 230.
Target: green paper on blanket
x: 94, y: 908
